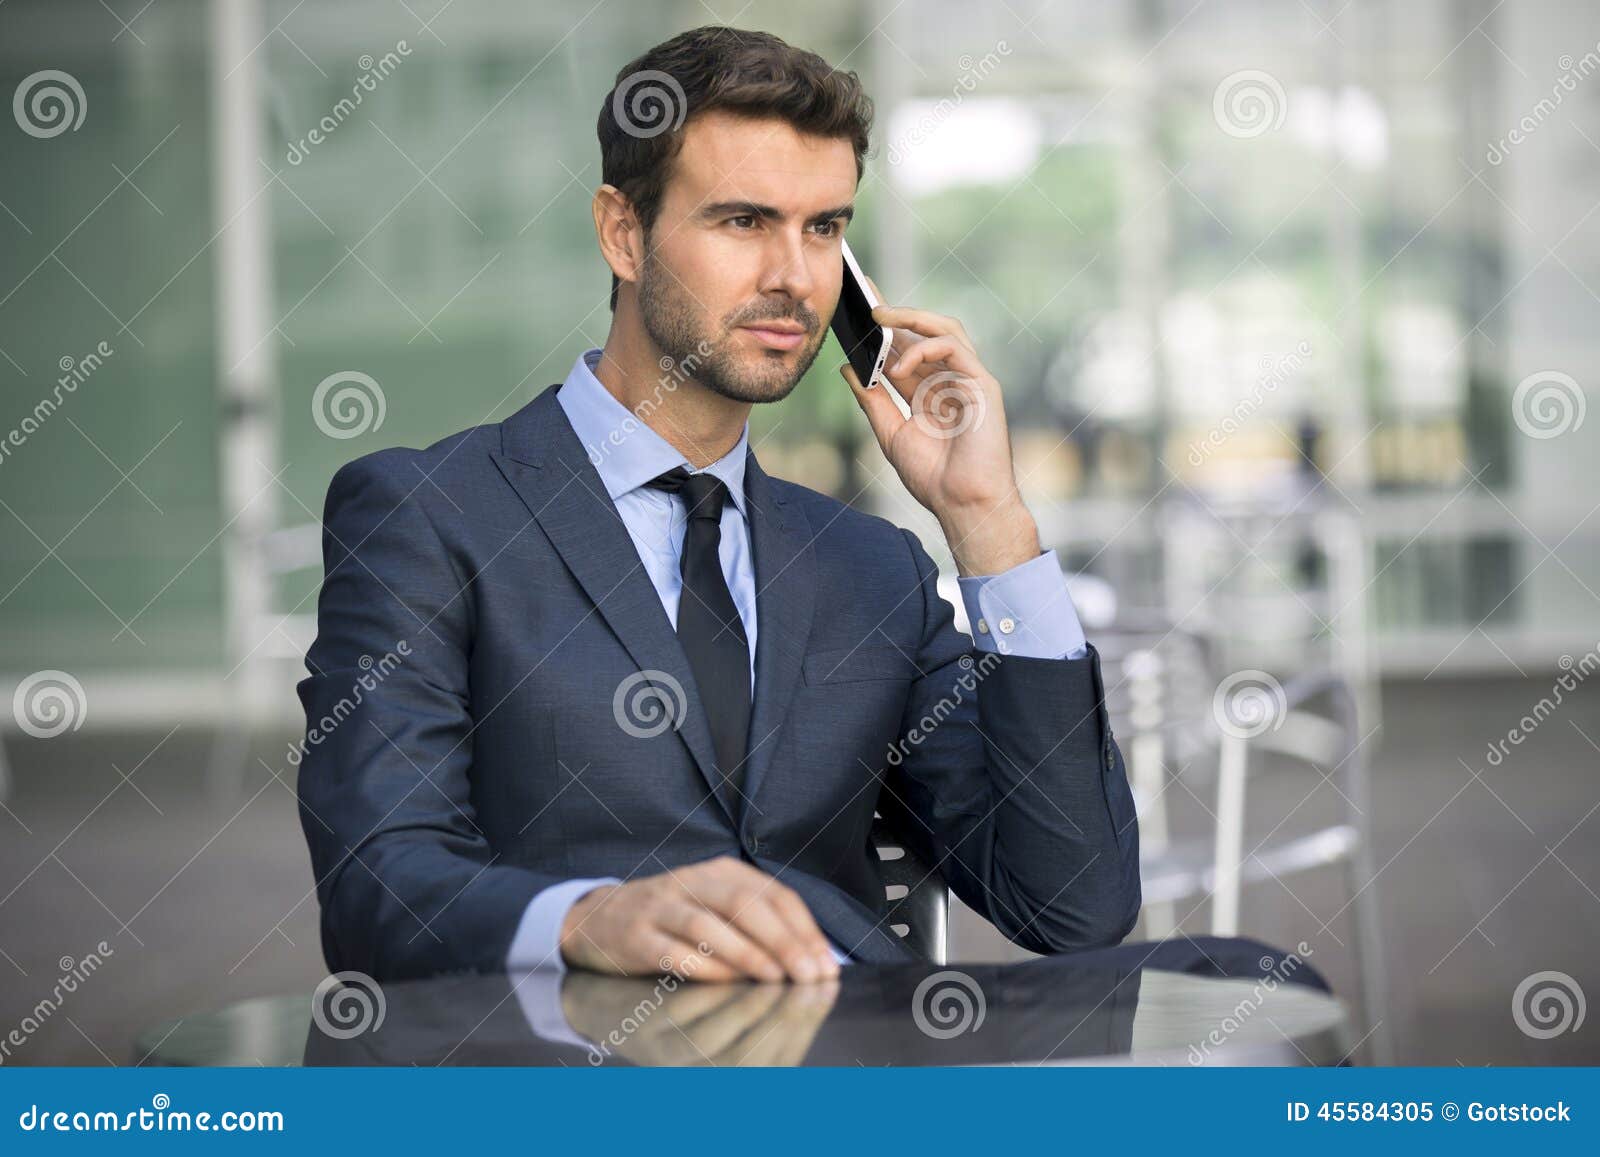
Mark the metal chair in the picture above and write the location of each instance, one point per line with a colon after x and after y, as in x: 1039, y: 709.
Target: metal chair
x: 1218, y: 866
x: 1158, y: 680
x: 919, y: 901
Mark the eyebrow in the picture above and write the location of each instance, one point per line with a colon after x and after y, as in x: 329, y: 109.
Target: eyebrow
x: 772, y: 213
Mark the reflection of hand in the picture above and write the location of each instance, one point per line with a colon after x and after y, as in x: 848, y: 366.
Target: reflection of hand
x: 670, y: 1022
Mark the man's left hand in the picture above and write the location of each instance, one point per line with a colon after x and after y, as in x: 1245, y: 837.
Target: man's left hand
x: 953, y: 452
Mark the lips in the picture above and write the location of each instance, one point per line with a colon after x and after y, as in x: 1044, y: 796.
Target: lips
x: 777, y: 335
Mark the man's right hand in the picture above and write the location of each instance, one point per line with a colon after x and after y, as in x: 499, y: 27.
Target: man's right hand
x: 720, y: 919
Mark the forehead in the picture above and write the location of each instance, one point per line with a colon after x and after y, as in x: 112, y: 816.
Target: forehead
x: 728, y: 158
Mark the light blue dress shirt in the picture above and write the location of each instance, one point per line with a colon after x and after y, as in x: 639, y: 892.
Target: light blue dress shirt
x: 1023, y: 611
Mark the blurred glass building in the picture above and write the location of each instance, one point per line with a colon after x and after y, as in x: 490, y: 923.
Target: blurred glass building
x: 1261, y: 281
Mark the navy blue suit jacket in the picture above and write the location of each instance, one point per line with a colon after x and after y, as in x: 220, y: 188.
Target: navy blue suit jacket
x: 483, y: 603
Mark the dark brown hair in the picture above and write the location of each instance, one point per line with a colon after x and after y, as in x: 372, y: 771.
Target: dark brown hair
x: 748, y: 73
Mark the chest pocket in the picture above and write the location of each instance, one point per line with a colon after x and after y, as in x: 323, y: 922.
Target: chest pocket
x: 857, y: 664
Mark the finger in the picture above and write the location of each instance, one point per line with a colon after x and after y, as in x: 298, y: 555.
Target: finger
x: 722, y: 1034
x: 664, y: 952
x: 724, y: 942
x: 923, y: 322
x: 883, y: 416
x: 749, y: 900
x: 795, y: 913
x: 945, y: 351
x: 799, y: 918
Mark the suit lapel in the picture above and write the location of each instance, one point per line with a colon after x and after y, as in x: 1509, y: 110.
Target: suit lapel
x: 785, y: 571
x: 545, y: 463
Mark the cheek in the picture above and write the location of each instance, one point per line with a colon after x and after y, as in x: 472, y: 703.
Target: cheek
x: 718, y: 272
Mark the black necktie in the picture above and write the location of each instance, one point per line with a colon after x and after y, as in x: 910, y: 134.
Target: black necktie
x: 709, y: 626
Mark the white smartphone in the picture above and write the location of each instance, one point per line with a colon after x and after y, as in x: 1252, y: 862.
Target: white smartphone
x: 865, y: 342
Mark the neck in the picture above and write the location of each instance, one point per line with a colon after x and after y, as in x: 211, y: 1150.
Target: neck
x: 698, y: 423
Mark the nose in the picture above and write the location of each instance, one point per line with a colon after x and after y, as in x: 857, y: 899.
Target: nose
x: 788, y: 269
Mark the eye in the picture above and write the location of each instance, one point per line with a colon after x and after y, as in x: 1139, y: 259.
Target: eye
x: 750, y: 217
x: 830, y: 228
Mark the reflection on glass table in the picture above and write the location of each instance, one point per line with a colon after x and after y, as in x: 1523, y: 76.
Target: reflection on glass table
x: 1044, y: 1011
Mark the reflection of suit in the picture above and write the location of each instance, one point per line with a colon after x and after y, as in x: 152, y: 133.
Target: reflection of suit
x: 1049, y: 1009
x: 497, y: 756
x: 1083, y: 1005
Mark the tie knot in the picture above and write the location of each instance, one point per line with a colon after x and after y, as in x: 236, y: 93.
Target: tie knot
x: 703, y: 493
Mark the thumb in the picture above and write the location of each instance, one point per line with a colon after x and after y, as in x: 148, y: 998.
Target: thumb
x: 882, y: 414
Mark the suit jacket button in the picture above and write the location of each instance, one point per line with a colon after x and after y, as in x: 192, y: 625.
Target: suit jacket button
x: 754, y: 845
x: 1111, y: 757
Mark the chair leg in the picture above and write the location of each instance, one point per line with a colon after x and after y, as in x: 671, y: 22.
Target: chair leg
x: 1146, y: 770
x: 1369, y: 956
x: 1227, y: 866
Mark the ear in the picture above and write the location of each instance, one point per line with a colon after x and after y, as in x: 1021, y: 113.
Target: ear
x: 616, y: 227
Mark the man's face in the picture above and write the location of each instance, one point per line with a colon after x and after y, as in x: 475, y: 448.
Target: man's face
x: 748, y: 235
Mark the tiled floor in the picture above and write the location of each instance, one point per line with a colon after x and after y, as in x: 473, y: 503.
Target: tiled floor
x: 202, y: 901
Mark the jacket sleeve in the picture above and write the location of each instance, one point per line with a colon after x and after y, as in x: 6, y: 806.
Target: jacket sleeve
x: 1006, y: 777
x: 408, y: 884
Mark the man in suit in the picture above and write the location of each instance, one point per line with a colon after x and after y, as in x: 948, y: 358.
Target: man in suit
x: 644, y: 697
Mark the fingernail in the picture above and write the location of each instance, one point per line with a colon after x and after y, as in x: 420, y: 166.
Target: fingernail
x: 829, y: 966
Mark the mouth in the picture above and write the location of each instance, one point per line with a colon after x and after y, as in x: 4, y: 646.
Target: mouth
x: 777, y: 335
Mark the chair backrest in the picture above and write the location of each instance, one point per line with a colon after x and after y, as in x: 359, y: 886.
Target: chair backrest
x: 1158, y: 680
x: 919, y: 902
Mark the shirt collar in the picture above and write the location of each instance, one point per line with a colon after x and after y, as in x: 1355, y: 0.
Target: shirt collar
x: 624, y: 449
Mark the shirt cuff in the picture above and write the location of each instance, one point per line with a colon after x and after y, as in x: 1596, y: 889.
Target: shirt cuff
x: 537, y: 943
x: 539, y: 996
x: 1024, y: 611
